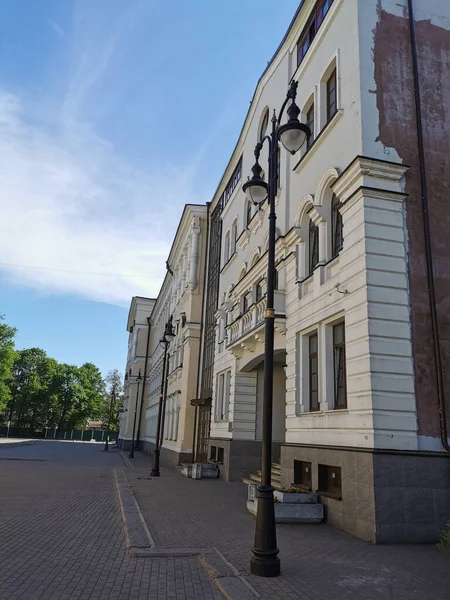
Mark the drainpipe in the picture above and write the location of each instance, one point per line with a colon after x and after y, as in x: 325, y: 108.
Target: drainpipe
x: 143, y: 383
x: 427, y: 236
x: 199, y: 375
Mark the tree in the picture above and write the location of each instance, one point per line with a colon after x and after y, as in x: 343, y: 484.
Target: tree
x: 7, y: 336
x: 112, y: 399
x: 88, y: 404
x: 25, y: 385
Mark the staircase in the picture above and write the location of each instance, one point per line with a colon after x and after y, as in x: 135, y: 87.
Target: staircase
x: 276, y: 477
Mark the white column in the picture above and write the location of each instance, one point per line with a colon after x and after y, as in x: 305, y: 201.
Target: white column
x: 193, y: 262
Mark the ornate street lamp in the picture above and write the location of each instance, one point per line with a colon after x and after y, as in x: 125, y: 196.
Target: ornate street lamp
x: 138, y: 379
x: 293, y: 134
x: 168, y: 336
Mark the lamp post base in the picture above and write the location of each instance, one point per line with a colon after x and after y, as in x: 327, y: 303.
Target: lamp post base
x: 265, y: 567
x: 265, y: 561
x: 155, y: 468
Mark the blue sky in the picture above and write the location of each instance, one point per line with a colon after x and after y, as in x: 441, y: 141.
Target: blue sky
x: 113, y: 115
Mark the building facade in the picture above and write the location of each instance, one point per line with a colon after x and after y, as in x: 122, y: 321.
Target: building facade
x: 361, y: 382
x: 180, y: 298
x: 138, y: 342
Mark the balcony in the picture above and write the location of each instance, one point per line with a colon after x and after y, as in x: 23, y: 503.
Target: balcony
x: 245, y: 329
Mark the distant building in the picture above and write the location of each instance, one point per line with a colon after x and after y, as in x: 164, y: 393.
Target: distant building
x: 138, y: 328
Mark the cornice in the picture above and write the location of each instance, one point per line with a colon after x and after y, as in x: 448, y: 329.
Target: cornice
x: 371, y: 173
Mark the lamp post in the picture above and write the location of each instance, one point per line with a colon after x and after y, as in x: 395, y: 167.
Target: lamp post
x: 293, y: 134
x: 168, y: 336
x: 111, y: 404
x: 138, y: 379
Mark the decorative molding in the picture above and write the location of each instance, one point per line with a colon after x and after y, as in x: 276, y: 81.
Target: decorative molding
x: 243, y: 239
x: 256, y: 221
x: 327, y: 179
x: 372, y: 173
x: 303, y: 206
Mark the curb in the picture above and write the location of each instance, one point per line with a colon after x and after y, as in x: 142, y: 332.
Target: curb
x: 18, y: 444
x: 137, y: 535
x: 232, y: 585
x: 140, y: 544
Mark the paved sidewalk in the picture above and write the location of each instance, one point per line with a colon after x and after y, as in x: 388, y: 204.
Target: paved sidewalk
x: 61, y: 533
x: 318, y: 562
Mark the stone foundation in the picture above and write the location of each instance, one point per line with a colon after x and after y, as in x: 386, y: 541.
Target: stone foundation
x: 240, y: 457
x: 167, y: 458
x: 387, y: 497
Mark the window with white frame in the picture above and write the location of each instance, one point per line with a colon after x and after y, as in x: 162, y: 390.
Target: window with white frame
x: 233, y: 237
x: 331, y: 97
x: 321, y: 376
x: 329, y: 92
x: 313, y: 348
x: 336, y: 227
x: 339, y: 367
x: 226, y: 250
x: 308, y: 119
x: 248, y: 213
x: 313, y: 246
x: 223, y: 396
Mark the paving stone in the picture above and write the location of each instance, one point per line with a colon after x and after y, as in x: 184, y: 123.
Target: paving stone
x: 318, y: 562
x: 61, y: 533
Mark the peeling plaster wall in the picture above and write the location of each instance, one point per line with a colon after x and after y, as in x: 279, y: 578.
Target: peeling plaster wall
x: 395, y: 120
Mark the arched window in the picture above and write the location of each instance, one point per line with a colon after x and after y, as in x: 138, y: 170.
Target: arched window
x: 313, y: 246
x: 248, y: 213
x: 336, y: 227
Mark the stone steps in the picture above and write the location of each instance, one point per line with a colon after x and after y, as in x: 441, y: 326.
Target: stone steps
x: 255, y: 478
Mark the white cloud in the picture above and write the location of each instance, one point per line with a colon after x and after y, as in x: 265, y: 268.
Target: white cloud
x: 69, y: 202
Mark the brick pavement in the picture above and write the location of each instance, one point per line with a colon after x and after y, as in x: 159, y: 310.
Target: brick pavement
x: 318, y: 562
x: 61, y: 534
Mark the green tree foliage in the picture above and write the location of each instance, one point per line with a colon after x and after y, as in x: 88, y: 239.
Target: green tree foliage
x: 112, y: 399
x: 39, y: 392
x: 7, y: 335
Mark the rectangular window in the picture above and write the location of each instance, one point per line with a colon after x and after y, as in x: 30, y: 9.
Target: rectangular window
x: 227, y: 248
x: 226, y: 396
x: 330, y: 481
x: 313, y: 373
x: 233, y: 237
x: 331, y: 95
x: 213, y: 453
x: 340, y: 391
x: 310, y: 123
x: 220, y: 455
x: 311, y: 28
x: 258, y: 294
x: 219, y: 397
x: 245, y: 304
x: 302, y: 474
x: 223, y: 396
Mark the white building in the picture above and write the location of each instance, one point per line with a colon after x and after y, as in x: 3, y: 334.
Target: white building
x: 138, y: 341
x: 181, y: 298
x: 356, y: 404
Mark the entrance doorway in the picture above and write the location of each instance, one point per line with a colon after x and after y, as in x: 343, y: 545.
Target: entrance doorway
x: 204, y: 424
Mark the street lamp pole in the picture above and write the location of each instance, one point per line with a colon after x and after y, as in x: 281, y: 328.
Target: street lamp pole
x: 138, y: 379
x: 265, y: 561
x: 166, y: 339
x: 111, y: 404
